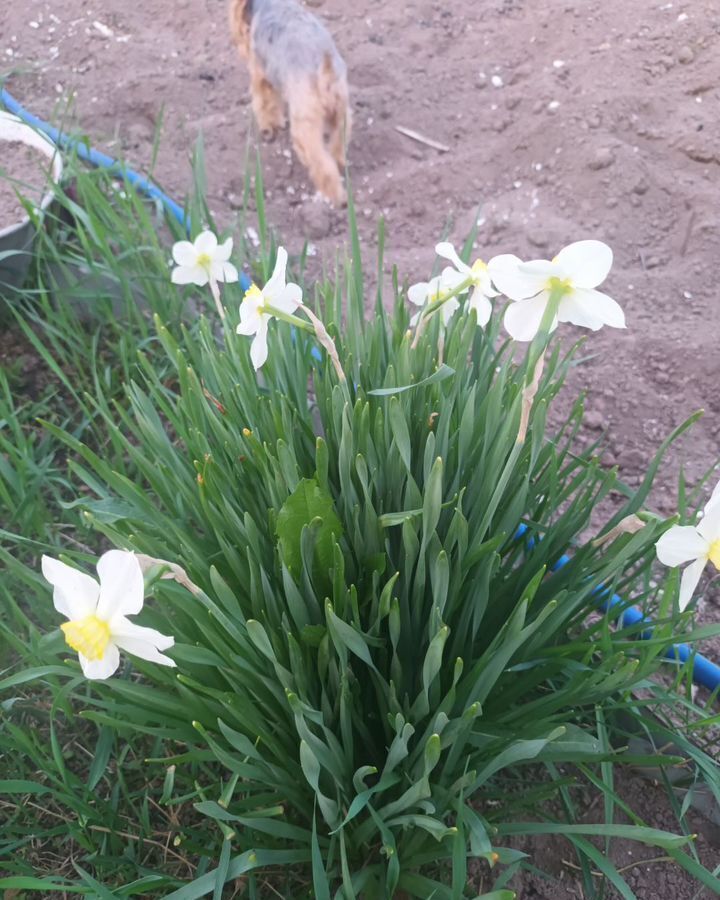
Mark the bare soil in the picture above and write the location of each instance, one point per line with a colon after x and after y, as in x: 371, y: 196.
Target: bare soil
x: 23, y: 170
x: 564, y: 120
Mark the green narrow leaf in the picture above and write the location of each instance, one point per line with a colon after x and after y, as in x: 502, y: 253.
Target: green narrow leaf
x: 320, y: 880
x: 222, y: 870
x: 440, y: 375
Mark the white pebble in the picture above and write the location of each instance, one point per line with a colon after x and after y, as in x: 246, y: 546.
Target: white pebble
x: 496, y: 81
x: 558, y: 63
x: 34, y: 24
x: 103, y: 29
x: 553, y: 105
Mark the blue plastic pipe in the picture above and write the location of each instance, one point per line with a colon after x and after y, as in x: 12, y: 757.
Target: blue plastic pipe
x: 103, y: 161
x: 704, y: 671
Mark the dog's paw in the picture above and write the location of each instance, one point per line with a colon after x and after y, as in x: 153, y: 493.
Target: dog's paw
x: 333, y: 193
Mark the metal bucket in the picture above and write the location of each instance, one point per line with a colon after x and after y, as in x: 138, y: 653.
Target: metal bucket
x: 17, y: 238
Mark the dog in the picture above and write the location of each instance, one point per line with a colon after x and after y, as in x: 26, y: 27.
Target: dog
x: 293, y: 61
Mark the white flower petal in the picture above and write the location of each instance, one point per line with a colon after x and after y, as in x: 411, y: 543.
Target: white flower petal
x: 680, y: 544
x: 190, y: 275
x: 145, y: 650
x: 590, y: 309
x: 259, y: 346
x: 121, y: 628
x: 575, y: 309
x: 206, y: 244
x: 75, y: 594
x: 122, y: 589
x: 709, y: 525
x: 689, y: 582
x: 184, y: 254
x: 276, y: 284
x: 250, y: 312
x: 586, y: 263
x: 288, y: 299
x: 249, y: 322
x: 222, y: 254
x: 218, y: 270
x: 229, y: 273
x: 447, y: 251
x: 482, y: 306
x: 449, y: 280
x: 516, y: 283
x: 540, y: 268
x: 99, y: 669
x: 523, y: 317
x: 448, y: 309
x: 483, y: 282
x: 714, y: 496
x: 418, y: 293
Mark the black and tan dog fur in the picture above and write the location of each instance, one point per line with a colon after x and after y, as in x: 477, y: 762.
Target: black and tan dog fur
x: 294, y: 63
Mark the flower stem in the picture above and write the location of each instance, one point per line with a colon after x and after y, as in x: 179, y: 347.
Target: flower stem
x: 327, y: 342
x: 288, y: 317
x: 435, y: 306
x: 528, y: 396
x: 215, y: 290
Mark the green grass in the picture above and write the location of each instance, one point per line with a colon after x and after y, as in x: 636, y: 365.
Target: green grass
x: 80, y: 320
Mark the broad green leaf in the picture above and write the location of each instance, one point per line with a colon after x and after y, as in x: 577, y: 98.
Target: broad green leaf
x: 307, y: 504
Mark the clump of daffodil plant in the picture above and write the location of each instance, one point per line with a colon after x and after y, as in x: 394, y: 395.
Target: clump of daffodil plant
x: 365, y: 624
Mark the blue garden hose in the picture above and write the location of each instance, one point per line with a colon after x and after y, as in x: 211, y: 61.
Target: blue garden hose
x: 103, y: 161
x: 704, y: 671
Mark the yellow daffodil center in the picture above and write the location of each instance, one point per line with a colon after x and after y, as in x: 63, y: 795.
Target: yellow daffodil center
x: 714, y: 554
x: 559, y: 285
x: 89, y: 636
x: 253, y: 293
x: 204, y: 260
x: 478, y: 271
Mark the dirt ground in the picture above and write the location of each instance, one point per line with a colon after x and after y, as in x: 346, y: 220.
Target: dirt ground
x: 564, y: 120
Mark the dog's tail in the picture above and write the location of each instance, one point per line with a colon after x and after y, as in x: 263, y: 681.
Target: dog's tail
x: 240, y: 14
x: 335, y: 97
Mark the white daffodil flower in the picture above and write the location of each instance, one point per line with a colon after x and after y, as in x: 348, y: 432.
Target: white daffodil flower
x: 482, y: 289
x: 426, y: 292
x: 696, y: 544
x: 259, y: 306
x: 577, y: 270
x: 97, y: 626
x: 203, y: 261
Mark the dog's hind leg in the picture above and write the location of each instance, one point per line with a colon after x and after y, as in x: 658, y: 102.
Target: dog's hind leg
x: 338, y: 118
x: 340, y: 123
x: 267, y: 103
x: 307, y: 125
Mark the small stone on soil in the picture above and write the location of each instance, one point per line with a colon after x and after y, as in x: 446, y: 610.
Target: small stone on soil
x: 602, y: 159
